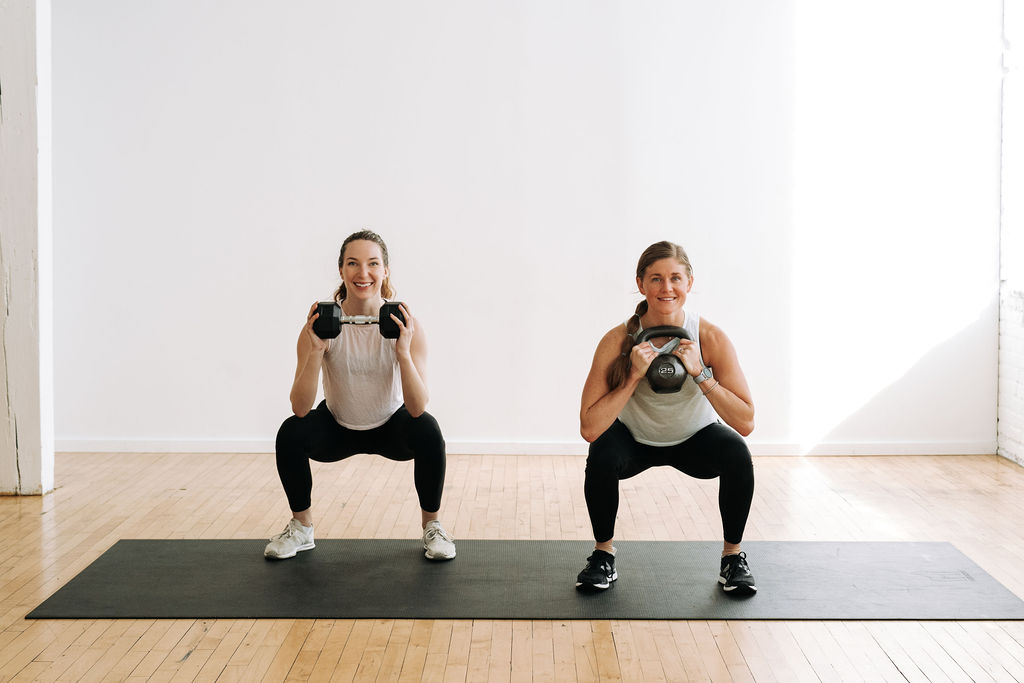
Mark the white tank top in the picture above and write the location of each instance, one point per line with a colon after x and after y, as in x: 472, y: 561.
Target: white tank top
x: 669, y: 419
x: 362, y: 381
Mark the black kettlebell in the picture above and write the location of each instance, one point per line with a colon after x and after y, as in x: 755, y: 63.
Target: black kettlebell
x: 666, y: 374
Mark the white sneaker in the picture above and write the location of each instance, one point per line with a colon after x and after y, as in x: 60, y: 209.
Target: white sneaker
x: 437, y: 543
x: 294, y: 538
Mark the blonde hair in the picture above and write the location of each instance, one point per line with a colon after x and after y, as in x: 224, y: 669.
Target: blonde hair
x: 619, y: 370
x: 386, y: 290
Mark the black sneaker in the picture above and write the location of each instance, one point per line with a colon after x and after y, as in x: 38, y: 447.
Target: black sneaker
x: 735, y: 576
x: 599, y: 572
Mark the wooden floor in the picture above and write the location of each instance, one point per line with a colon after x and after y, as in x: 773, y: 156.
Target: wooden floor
x: 975, y: 502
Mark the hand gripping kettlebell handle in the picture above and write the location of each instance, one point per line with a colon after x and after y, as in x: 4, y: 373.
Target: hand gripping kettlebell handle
x: 666, y: 373
x: 661, y: 331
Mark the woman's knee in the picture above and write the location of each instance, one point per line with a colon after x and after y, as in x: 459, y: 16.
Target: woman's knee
x: 291, y: 436
x: 735, y: 459
x: 605, y: 455
x: 425, y: 435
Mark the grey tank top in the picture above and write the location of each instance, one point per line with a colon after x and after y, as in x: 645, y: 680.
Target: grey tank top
x: 669, y: 419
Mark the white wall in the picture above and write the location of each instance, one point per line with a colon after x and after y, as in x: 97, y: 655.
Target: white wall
x: 1011, y: 319
x: 834, y: 177
x: 26, y: 251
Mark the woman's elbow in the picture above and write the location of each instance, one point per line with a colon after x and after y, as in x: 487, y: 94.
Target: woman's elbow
x: 299, y: 407
x: 416, y: 408
x: 746, y: 427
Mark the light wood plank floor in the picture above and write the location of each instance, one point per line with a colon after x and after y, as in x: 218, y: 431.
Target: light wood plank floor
x: 974, y: 502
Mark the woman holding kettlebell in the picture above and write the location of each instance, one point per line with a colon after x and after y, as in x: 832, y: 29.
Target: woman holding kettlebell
x: 631, y: 428
x: 375, y: 399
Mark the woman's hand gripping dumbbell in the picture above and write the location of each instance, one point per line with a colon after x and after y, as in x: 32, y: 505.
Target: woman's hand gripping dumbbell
x: 329, y: 319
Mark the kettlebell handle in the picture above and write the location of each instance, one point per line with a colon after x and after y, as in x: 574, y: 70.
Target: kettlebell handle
x: 661, y: 331
x: 666, y: 372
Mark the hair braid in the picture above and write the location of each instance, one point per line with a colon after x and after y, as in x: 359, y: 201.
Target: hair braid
x: 619, y: 369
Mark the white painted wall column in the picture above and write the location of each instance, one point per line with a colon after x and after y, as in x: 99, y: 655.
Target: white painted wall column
x: 26, y: 253
x: 1011, y: 286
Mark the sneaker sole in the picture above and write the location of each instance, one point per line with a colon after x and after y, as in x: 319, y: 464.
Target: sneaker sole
x: 433, y: 556
x: 592, y: 587
x: 739, y: 590
x: 595, y: 587
x: 308, y: 546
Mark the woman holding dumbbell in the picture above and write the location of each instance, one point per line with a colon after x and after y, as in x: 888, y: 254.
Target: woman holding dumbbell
x: 631, y: 427
x: 375, y: 399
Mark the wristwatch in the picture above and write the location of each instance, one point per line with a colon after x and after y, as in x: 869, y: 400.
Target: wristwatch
x: 704, y: 374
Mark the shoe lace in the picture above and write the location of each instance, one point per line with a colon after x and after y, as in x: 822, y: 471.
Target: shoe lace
x: 433, y: 531
x: 289, y: 532
x: 738, y: 564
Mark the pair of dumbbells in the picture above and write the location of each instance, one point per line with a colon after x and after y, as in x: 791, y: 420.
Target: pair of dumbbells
x: 328, y: 325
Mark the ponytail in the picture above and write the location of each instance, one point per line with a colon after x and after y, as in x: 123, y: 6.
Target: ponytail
x: 619, y: 369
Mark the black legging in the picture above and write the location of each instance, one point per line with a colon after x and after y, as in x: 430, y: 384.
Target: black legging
x: 715, y: 451
x: 318, y: 436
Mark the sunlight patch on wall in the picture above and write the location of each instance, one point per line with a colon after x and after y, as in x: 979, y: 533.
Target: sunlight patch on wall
x: 896, y: 158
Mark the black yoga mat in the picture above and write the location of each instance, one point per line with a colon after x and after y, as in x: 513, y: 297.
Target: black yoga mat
x: 148, y: 579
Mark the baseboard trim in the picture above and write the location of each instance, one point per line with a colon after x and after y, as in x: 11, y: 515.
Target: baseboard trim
x: 530, y: 448
x: 877, y: 448
x: 163, y: 446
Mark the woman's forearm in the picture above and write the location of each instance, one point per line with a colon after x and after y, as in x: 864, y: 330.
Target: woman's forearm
x: 596, y: 419
x: 733, y: 410
x: 304, y: 387
x: 414, y: 389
